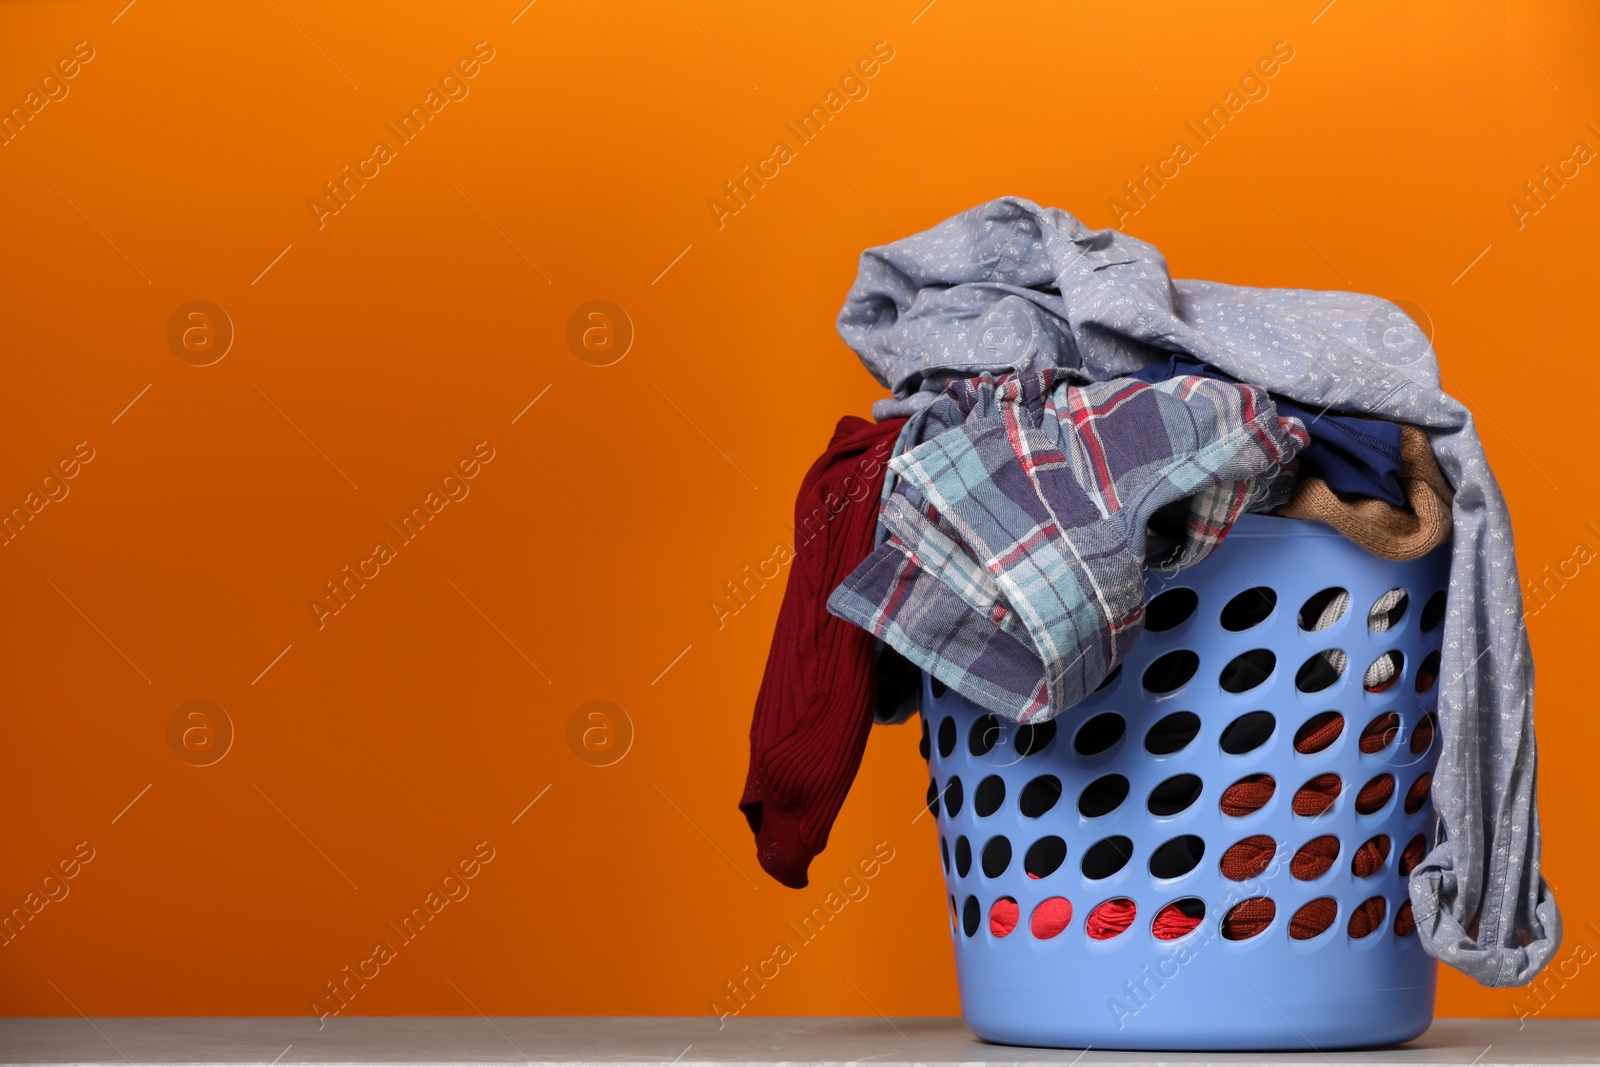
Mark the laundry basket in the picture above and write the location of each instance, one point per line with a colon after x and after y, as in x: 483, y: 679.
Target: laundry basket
x: 1261, y: 763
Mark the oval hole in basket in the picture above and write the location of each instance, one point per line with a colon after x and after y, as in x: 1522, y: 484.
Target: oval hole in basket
x: 1248, y: 918
x: 1178, y: 919
x: 1039, y: 795
x: 1414, y: 852
x: 996, y: 856
x: 1370, y: 857
x: 1249, y: 608
x: 1313, y: 919
x: 1319, y: 731
x: 1102, y: 796
x: 1099, y: 734
x: 1044, y: 857
x: 1248, y: 732
x: 1174, y: 795
x: 990, y: 794
x: 1387, y: 611
x: 1314, y: 858
x: 1367, y: 917
x: 1035, y: 737
x: 1371, y: 797
x: 1050, y: 918
x: 1380, y: 733
x: 1177, y: 857
x: 1320, y: 670
x: 1249, y: 794
x: 1317, y: 795
x: 1106, y: 857
x: 1382, y: 674
x: 1322, y: 609
x: 1433, y: 612
x: 1171, y: 672
x: 985, y: 731
x: 1247, y: 670
x: 1172, y: 733
x: 1428, y: 671
x: 1417, y: 795
x: 952, y: 796
x: 1110, y: 919
x: 1169, y: 610
x: 1003, y: 916
x: 1248, y: 858
x: 1422, y: 735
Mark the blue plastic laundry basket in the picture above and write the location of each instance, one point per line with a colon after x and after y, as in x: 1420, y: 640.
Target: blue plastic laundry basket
x: 1121, y: 799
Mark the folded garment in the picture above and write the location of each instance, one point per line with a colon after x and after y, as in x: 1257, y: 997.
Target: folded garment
x: 1416, y: 529
x: 817, y: 697
x: 1177, y: 919
x: 1011, y: 286
x: 1353, y: 454
x: 1248, y: 858
x: 1248, y: 795
x: 1313, y: 918
x: 1317, y: 795
x: 1248, y: 918
x: 1110, y: 919
x: 1314, y: 858
x: 1015, y: 573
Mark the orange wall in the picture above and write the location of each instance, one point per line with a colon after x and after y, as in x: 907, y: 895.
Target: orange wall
x: 374, y: 351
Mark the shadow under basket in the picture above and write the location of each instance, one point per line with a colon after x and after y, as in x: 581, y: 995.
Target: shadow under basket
x: 1212, y: 851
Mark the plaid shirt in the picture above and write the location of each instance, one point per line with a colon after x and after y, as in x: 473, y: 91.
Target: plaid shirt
x: 1013, y: 566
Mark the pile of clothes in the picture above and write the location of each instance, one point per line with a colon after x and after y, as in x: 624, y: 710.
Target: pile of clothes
x: 1064, y: 415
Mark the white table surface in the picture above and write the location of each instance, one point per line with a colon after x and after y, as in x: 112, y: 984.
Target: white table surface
x: 688, y: 1042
